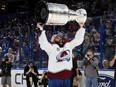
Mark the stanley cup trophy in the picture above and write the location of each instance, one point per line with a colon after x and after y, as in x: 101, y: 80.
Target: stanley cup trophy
x: 58, y: 14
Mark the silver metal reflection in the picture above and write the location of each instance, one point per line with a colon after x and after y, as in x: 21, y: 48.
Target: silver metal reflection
x: 58, y: 14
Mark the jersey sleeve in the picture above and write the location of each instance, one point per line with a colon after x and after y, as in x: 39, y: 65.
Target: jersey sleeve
x: 44, y: 44
x: 78, y: 39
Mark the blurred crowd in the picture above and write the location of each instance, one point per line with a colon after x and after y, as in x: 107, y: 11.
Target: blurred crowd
x: 97, y: 7
x: 19, y: 36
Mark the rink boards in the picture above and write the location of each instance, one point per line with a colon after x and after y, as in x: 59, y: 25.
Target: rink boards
x: 106, y: 78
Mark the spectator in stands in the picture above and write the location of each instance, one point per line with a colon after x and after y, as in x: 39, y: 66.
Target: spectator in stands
x: 36, y: 49
x: 5, y: 45
x: 90, y: 64
x: 105, y: 64
x: 109, y: 46
x: 25, y: 53
x: 88, y: 43
x: 97, y: 42
x: 108, y: 28
x: 16, y: 56
x: 25, y: 49
x: 44, y: 79
x: 90, y: 26
x: 6, y: 72
x: 31, y: 73
x: 113, y: 65
x: 10, y: 54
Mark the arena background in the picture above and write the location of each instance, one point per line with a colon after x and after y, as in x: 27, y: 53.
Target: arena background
x: 18, y: 30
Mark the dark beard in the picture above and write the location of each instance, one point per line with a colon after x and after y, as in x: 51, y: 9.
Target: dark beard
x: 60, y: 45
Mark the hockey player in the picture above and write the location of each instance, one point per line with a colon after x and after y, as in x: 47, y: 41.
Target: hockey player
x: 60, y: 56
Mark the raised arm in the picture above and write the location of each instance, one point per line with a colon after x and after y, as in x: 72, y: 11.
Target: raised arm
x: 78, y: 39
x: 81, y: 19
x: 113, y: 61
x: 84, y: 62
x: 94, y: 62
x: 44, y: 44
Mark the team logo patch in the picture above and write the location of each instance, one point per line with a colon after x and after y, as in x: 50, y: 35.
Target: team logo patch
x: 63, y: 56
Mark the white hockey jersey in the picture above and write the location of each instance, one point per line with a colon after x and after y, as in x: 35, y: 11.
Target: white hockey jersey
x: 60, y: 59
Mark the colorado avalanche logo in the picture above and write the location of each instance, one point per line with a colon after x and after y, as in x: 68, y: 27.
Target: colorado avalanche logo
x: 63, y: 56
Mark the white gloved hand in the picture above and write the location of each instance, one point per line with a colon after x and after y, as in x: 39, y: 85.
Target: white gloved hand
x: 81, y: 16
x: 81, y: 24
x: 40, y: 26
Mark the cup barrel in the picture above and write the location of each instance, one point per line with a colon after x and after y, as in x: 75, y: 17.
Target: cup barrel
x: 58, y: 14
x: 51, y: 13
x: 41, y: 12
